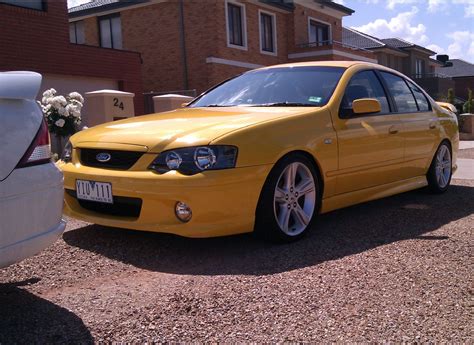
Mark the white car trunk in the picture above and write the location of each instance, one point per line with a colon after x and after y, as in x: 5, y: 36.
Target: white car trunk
x: 20, y: 117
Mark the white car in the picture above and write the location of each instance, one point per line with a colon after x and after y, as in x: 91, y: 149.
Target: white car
x: 31, y: 187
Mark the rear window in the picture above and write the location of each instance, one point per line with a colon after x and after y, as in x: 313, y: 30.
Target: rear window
x: 421, y: 100
x: 401, y: 93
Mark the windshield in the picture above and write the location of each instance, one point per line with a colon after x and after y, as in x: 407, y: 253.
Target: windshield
x: 285, y: 86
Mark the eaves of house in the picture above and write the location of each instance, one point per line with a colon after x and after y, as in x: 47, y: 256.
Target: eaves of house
x: 99, y: 6
x: 395, y: 46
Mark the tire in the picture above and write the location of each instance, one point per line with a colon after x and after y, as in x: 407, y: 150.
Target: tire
x: 282, y: 202
x: 441, y: 169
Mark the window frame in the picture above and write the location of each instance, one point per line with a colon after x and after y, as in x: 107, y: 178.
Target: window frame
x: 311, y: 19
x: 44, y: 6
x: 419, y: 72
x: 75, y: 31
x: 244, y: 45
x: 351, y: 115
x: 274, y: 32
x: 407, y: 82
x: 430, y: 108
x: 109, y: 17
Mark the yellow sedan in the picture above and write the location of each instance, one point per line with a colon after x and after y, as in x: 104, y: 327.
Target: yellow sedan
x: 266, y: 151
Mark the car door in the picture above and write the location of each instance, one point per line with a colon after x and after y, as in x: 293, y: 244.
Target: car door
x: 370, y: 146
x: 420, y: 125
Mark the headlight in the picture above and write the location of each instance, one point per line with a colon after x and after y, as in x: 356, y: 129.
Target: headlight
x: 192, y: 160
x: 173, y: 160
x: 205, y: 158
x: 67, y: 152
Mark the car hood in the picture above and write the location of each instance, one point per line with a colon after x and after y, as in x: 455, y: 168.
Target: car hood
x: 180, y: 128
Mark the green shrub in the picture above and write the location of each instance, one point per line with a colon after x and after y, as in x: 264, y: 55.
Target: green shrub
x: 450, y: 98
x: 469, y: 105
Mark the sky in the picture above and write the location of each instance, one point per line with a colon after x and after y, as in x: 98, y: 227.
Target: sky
x: 444, y: 26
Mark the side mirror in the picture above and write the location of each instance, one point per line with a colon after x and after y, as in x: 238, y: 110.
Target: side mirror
x: 185, y: 104
x: 366, y: 106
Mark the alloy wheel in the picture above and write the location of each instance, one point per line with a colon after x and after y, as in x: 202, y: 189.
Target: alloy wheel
x: 443, y: 166
x: 294, y: 199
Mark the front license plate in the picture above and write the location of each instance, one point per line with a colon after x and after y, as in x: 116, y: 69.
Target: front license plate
x: 94, y: 191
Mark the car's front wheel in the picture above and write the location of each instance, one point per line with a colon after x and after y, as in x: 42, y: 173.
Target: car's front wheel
x: 440, y: 172
x: 289, y: 201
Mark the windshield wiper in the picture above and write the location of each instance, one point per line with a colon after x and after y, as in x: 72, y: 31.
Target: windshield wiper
x: 284, y: 104
x: 217, y: 105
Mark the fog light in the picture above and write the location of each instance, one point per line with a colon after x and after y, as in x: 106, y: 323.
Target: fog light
x: 183, y: 212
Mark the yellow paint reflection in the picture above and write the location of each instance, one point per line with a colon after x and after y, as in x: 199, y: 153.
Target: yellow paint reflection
x: 369, y: 128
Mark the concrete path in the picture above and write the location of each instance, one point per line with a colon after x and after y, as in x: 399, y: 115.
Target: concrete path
x: 465, y: 169
x: 465, y: 166
x: 466, y: 144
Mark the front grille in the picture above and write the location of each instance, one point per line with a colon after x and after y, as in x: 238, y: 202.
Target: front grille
x: 122, y: 206
x: 120, y: 160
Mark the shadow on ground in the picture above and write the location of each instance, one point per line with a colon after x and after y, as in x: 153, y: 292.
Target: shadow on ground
x: 336, y: 235
x: 29, y: 319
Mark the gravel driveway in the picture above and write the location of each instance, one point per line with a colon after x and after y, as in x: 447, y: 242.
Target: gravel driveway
x: 397, y: 269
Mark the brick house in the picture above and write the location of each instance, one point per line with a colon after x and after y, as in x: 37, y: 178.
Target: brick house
x: 462, y: 72
x: 194, y: 44
x: 34, y: 36
x: 406, y: 57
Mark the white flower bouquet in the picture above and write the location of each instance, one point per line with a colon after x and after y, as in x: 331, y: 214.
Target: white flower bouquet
x: 63, y: 114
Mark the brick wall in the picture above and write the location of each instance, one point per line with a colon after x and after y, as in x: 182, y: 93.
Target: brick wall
x: 462, y: 84
x: 252, y: 54
x: 39, y: 41
x: 155, y: 31
x: 91, y: 31
x: 208, y: 23
x: 300, y: 24
x: 436, y: 87
x: 217, y: 73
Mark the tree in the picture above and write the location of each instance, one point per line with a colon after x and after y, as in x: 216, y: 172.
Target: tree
x: 469, y: 105
x: 450, y: 96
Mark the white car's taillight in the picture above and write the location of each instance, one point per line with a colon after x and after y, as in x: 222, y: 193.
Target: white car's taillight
x: 39, y: 151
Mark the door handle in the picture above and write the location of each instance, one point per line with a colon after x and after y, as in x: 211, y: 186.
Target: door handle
x: 393, y: 130
x: 432, y: 125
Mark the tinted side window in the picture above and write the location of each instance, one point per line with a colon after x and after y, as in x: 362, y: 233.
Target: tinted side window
x: 401, y: 93
x: 421, y: 100
x: 365, y: 85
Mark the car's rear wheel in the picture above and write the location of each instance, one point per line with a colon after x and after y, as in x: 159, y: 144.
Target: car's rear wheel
x: 289, y: 201
x: 440, y: 172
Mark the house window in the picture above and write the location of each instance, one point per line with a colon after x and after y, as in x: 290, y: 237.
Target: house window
x: 236, y: 27
x: 267, y: 32
x: 110, y: 28
x: 33, y: 4
x: 76, y: 32
x: 419, y: 68
x: 319, y: 33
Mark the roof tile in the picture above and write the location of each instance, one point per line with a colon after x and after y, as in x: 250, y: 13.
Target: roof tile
x: 460, y: 68
x: 358, y: 39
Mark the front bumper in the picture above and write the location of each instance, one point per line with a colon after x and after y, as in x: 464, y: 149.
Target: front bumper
x: 223, y: 202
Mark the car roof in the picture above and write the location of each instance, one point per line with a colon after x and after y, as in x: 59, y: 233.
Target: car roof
x: 345, y: 64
